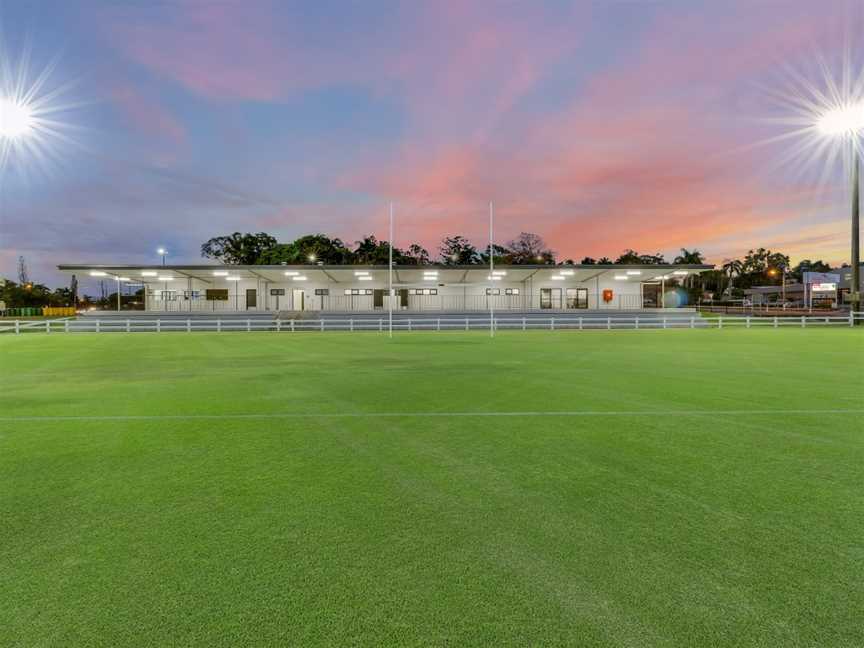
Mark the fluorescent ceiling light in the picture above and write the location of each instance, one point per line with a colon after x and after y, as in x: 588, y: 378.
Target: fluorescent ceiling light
x: 220, y: 273
x: 364, y: 278
x: 292, y: 273
x: 492, y: 278
x: 298, y: 278
x: 634, y: 272
x: 430, y: 272
x: 430, y: 278
x: 558, y: 278
x: 149, y: 273
x: 568, y: 273
x: 680, y: 272
x: 360, y: 273
x: 620, y: 277
x: 232, y: 278
x: 166, y: 278
x: 499, y: 273
x: 123, y: 279
x: 97, y: 273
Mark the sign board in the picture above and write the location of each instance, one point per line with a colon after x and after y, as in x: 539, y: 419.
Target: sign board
x: 216, y: 294
x: 277, y: 292
x: 823, y: 287
x: 821, y: 277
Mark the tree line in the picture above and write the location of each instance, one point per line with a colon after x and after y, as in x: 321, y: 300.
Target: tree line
x: 527, y: 248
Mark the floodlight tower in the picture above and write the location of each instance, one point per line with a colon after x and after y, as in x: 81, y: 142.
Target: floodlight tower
x: 846, y: 123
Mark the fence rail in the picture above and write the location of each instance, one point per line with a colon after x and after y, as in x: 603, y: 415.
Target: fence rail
x: 234, y: 324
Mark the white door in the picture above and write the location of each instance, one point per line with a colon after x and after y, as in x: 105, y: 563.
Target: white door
x: 297, y: 299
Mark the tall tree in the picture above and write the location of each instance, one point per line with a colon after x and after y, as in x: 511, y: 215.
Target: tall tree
x: 629, y: 257
x: 529, y: 248
x: 458, y: 250
x: 588, y: 261
x: 317, y: 247
x: 417, y: 254
x: 689, y: 257
x: 237, y: 248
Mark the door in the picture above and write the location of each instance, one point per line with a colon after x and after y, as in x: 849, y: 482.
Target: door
x: 550, y: 298
x: 251, y: 298
x: 403, y: 298
x: 297, y: 298
x: 577, y: 298
x: 378, y: 298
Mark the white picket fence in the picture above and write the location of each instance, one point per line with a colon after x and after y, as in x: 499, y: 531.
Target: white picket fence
x: 233, y: 324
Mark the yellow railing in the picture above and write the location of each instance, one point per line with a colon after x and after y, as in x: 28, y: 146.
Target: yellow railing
x: 58, y: 311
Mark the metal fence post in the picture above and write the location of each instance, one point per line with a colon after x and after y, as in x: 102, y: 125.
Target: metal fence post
x: 551, y: 323
x: 322, y: 325
x: 775, y: 321
x: 692, y: 322
x: 278, y: 325
x: 439, y: 325
x: 351, y: 324
x: 48, y: 326
x: 409, y: 324
x: 248, y: 325
x: 218, y: 324
x: 720, y: 322
x: 580, y: 322
x: 851, y: 318
x: 466, y: 323
x: 608, y: 323
x: 291, y: 323
x: 158, y: 325
x: 188, y: 325
x: 664, y: 322
x: 523, y: 323
x: 803, y: 322
x: 98, y: 326
x: 748, y: 321
x: 17, y: 327
x: 380, y: 325
x: 637, y: 322
x: 66, y: 326
x: 128, y: 326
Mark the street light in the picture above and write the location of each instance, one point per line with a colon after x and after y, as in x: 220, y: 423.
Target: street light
x: 163, y: 252
x: 846, y: 121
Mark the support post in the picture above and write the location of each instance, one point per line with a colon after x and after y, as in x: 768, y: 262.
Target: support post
x: 491, y: 275
x: 188, y: 325
x: 390, y: 275
x: 128, y: 326
x: 17, y: 327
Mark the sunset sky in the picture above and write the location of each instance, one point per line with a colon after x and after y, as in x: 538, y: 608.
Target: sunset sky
x: 598, y: 125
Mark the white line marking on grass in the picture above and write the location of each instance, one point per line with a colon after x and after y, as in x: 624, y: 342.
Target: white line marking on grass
x: 300, y: 415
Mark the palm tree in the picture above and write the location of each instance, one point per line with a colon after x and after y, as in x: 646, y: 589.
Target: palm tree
x: 732, y: 267
x: 689, y: 257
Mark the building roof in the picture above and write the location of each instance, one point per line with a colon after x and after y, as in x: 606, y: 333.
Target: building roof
x: 462, y: 274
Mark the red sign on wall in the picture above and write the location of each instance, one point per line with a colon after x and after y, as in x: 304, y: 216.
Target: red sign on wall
x: 607, y: 295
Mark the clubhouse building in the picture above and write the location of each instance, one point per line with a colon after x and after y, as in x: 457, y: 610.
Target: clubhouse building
x: 428, y: 288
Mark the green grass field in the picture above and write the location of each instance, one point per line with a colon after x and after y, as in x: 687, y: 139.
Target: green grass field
x: 662, y: 488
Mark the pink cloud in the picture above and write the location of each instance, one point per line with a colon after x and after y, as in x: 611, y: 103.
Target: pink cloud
x: 146, y: 114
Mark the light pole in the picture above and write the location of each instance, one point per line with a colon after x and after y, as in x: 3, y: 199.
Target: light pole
x: 846, y: 121
x: 163, y: 253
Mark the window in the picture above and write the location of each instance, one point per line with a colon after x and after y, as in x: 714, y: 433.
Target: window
x: 216, y: 294
x: 511, y: 291
x: 321, y: 292
x: 279, y: 292
x: 493, y: 291
x: 425, y: 291
x: 357, y: 291
x: 191, y: 294
x: 168, y: 295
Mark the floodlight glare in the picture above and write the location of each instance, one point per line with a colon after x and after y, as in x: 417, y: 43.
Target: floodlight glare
x: 846, y: 119
x: 16, y: 118
x: 160, y: 251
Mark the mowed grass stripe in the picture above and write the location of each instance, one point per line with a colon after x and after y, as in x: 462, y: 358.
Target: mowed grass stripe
x: 632, y: 413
